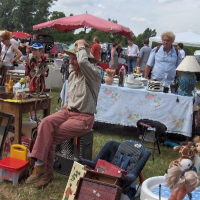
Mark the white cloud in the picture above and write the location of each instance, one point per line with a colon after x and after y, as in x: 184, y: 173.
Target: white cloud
x: 162, y: 15
x: 140, y: 19
x: 164, y: 1
x: 101, y: 6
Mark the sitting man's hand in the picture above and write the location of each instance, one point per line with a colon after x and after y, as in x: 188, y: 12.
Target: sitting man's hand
x: 81, y: 43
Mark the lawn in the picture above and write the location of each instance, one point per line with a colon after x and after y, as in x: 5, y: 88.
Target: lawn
x: 102, y: 134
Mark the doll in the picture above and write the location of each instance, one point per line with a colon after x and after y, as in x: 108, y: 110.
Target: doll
x: 181, y: 182
x: 197, y: 156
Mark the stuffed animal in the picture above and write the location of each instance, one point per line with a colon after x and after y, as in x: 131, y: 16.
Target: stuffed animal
x: 181, y: 182
x: 197, y: 156
x: 186, y: 160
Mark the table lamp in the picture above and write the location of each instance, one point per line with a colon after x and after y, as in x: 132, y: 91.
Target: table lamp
x: 187, y: 80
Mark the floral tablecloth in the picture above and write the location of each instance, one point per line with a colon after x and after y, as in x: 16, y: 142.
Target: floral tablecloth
x: 125, y: 106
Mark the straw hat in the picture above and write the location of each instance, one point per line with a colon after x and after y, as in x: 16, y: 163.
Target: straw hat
x: 73, y: 49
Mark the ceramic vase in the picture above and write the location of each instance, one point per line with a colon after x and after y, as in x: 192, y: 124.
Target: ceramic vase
x: 187, y: 83
x: 109, y: 78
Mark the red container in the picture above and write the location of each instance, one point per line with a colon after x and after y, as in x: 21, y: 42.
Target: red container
x: 105, y: 167
x: 92, y: 190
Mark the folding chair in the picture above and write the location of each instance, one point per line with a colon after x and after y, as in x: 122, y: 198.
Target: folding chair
x: 145, y: 126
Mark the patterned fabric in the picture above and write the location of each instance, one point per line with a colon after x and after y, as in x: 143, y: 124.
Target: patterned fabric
x: 125, y: 106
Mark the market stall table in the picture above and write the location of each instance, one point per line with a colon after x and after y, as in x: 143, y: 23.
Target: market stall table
x: 125, y: 106
x: 24, y: 106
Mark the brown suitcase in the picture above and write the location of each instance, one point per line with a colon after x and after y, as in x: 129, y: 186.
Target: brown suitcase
x: 92, y: 190
x: 114, y: 180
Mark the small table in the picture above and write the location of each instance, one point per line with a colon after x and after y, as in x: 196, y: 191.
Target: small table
x: 24, y: 106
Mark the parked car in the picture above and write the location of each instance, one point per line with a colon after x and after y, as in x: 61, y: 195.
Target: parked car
x: 58, y: 48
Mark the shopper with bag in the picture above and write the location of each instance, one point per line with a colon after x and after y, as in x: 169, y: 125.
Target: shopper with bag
x: 9, y: 55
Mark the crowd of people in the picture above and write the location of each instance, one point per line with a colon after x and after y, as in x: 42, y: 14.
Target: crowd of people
x: 154, y: 63
x: 76, y: 118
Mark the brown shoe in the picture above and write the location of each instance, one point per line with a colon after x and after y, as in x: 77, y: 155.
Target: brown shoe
x: 37, y: 172
x: 44, y: 181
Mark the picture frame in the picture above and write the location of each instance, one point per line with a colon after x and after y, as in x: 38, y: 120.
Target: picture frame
x: 5, y: 121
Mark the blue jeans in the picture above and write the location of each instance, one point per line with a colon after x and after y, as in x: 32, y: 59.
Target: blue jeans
x: 131, y: 65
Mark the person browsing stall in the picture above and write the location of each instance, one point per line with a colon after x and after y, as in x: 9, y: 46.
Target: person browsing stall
x: 9, y: 55
x: 132, y: 52
x: 37, y: 59
x: 143, y: 55
x: 113, y: 64
x: 163, y: 59
x: 96, y: 48
x: 74, y: 120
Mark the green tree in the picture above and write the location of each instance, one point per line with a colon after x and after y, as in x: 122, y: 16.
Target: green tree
x: 21, y: 15
x: 6, y: 14
x: 145, y: 35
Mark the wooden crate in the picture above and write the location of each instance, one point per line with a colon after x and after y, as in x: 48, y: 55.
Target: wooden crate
x: 92, y: 190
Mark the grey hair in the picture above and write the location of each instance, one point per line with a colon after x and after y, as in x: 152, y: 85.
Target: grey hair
x: 169, y: 34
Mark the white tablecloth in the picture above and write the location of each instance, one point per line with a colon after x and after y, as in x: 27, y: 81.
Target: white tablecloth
x: 125, y: 106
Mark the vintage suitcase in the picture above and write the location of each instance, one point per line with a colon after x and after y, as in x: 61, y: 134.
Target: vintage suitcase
x: 105, y: 178
x: 105, y: 167
x: 91, y: 190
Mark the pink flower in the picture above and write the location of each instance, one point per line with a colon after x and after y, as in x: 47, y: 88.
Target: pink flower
x: 107, y: 92
x: 149, y: 96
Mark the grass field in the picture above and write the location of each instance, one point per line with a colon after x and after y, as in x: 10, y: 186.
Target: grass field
x: 102, y: 134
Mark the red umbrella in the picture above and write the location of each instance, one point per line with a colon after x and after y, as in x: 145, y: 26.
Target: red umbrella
x: 21, y: 35
x: 67, y: 24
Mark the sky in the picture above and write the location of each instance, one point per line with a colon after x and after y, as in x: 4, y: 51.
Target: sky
x: 162, y: 15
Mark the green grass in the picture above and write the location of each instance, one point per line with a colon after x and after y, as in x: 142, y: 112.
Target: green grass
x: 102, y: 134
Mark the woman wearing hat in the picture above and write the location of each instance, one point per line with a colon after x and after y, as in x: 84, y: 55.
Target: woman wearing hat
x: 74, y: 120
x: 40, y: 61
x: 9, y: 54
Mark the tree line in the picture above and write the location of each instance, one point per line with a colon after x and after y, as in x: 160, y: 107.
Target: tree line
x: 22, y: 15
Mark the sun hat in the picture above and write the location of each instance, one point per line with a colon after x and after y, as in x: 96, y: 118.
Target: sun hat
x: 37, y: 45
x: 72, y: 51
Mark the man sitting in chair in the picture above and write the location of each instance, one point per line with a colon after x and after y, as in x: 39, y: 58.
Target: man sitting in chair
x: 74, y: 120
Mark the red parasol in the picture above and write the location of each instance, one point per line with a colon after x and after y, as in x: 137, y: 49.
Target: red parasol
x: 67, y: 24
x: 21, y: 35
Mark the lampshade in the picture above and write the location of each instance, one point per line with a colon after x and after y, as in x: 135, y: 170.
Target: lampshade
x: 189, y: 64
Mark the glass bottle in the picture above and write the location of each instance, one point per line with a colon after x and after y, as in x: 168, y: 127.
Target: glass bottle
x: 121, y: 77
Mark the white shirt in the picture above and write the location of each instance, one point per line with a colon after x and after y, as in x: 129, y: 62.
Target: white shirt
x: 182, y: 52
x: 133, y: 50
x: 15, y: 42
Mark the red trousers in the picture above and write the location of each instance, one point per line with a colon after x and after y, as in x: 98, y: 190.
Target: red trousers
x: 56, y: 128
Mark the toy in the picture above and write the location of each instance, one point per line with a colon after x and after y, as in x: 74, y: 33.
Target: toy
x: 181, y: 182
x: 16, y: 165
x: 186, y: 160
x: 197, y: 156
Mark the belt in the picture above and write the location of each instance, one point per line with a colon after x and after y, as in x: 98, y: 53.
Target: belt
x: 77, y: 111
x: 74, y: 110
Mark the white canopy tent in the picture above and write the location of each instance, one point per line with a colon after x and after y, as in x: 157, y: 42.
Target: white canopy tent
x: 187, y: 38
